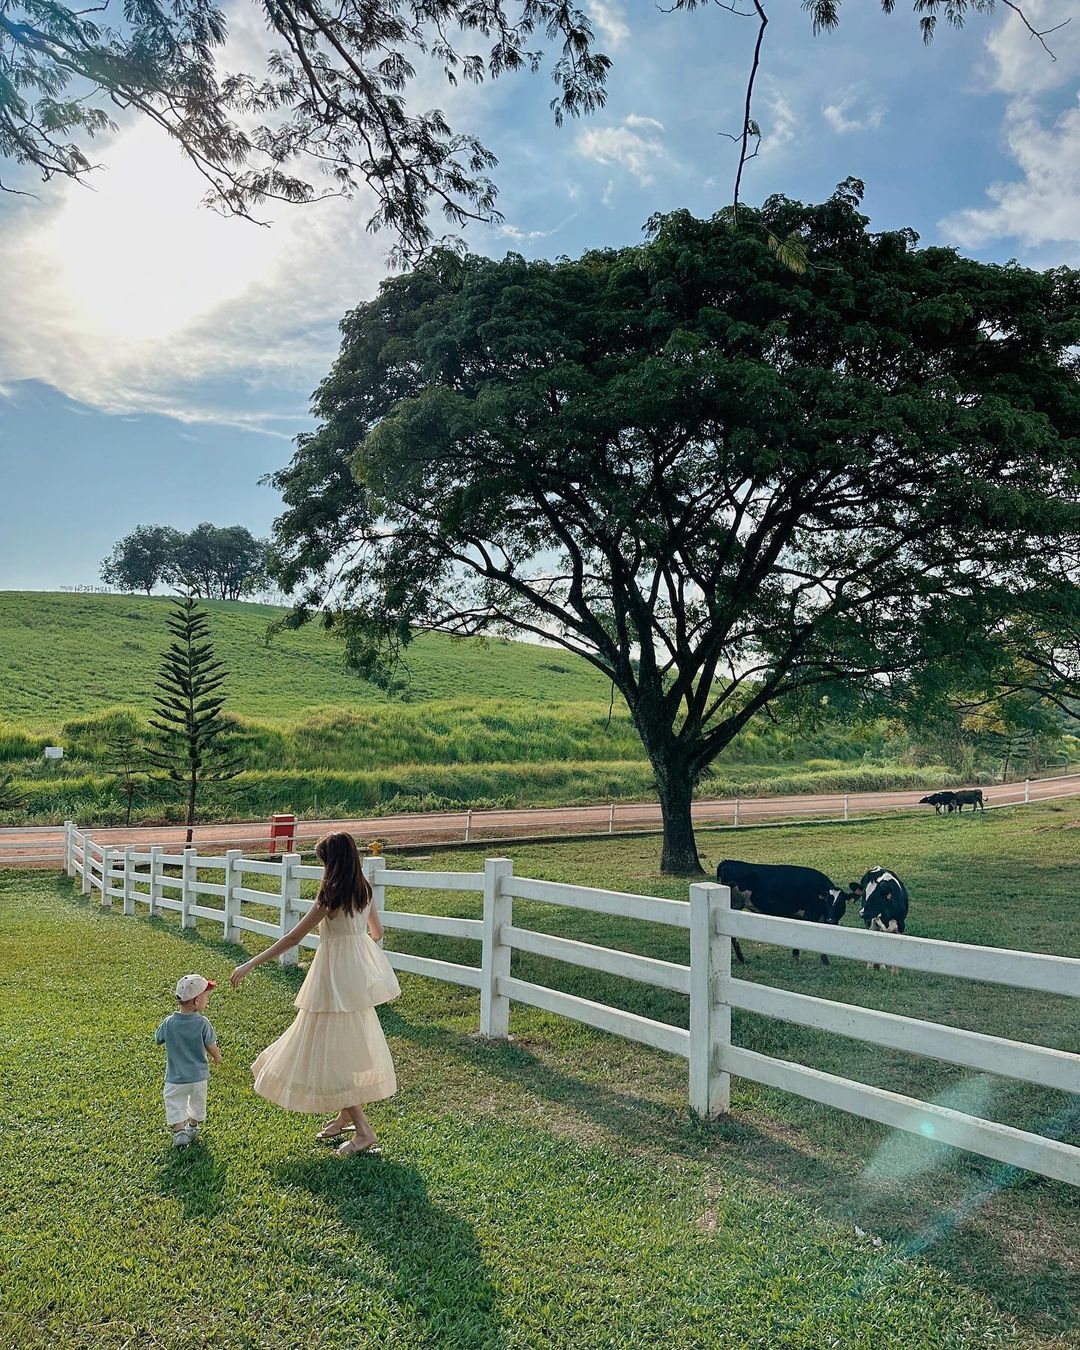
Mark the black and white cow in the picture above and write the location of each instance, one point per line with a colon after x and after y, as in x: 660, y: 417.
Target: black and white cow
x: 784, y: 891
x: 883, y: 902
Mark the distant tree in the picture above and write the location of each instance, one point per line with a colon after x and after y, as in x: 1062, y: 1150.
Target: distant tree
x: 718, y: 481
x: 142, y: 559
x: 192, y: 742
x: 222, y: 562
x: 126, y: 760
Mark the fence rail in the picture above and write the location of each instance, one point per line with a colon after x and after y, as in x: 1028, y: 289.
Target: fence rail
x: 139, y: 877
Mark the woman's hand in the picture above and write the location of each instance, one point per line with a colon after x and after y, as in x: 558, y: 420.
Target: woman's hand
x: 240, y: 972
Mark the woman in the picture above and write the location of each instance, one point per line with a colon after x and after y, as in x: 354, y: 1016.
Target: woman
x: 334, y: 1056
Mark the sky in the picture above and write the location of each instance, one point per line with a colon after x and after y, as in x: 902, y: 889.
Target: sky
x: 157, y: 359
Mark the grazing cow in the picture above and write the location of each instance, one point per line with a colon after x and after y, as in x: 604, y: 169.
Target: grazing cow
x: 939, y: 800
x: 972, y: 797
x: 784, y: 891
x: 883, y: 903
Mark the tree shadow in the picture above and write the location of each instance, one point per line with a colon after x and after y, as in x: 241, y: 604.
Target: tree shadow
x: 196, y: 1178
x: 431, y: 1258
x: 934, y: 1218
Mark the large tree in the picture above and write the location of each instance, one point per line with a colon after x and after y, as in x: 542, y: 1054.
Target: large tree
x: 717, y: 481
x: 335, y: 95
x: 142, y: 559
x: 225, y: 561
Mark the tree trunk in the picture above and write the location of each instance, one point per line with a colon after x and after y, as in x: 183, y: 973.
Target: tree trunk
x: 680, y: 855
x: 191, y: 804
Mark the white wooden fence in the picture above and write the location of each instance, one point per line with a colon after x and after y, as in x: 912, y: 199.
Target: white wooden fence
x: 171, y: 881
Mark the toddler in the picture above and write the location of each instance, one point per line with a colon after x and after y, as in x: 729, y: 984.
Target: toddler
x: 188, y: 1038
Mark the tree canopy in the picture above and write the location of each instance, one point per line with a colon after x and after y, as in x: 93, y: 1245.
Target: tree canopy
x: 334, y: 99
x: 716, y: 480
x: 222, y: 561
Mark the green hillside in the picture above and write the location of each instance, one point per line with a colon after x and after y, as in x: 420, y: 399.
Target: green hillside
x: 476, y: 723
x: 66, y: 654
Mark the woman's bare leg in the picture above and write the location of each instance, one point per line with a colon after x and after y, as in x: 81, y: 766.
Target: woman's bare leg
x: 363, y: 1139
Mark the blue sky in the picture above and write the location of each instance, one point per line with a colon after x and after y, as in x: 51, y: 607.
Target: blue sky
x: 155, y: 360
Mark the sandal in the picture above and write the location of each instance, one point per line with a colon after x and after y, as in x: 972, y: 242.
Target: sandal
x: 352, y: 1148
x: 332, y: 1130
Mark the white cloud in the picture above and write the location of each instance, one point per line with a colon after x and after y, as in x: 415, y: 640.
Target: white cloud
x: 779, y: 126
x: 127, y: 296
x: 633, y: 146
x: 845, y: 115
x: 1041, y: 206
x: 611, y: 21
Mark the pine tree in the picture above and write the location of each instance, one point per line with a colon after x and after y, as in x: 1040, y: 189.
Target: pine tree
x: 192, y: 745
x: 126, y: 760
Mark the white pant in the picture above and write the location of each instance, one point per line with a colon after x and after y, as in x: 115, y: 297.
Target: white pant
x: 185, y: 1101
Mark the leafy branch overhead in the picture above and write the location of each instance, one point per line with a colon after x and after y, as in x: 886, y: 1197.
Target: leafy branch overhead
x: 331, y: 105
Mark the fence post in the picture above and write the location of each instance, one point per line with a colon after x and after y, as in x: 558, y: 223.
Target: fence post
x: 495, y: 953
x: 736, y: 808
x: 468, y: 824
x: 372, y: 868
x: 87, y: 873
x: 611, y: 819
x: 69, y: 864
x: 232, y: 903
x: 847, y: 803
x: 155, y: 878
x: 106, y: 880
x: 1027, y: 789
x: 187, y: 882
x: 710, y: 1015
x: 128, y: 882
x: 290, y: 891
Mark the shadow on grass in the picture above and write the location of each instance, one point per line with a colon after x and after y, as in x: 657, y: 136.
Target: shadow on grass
x: 430, y: 1259
x: 194, y: 1176
x: 928, y: 1218
x: 942, y: 1216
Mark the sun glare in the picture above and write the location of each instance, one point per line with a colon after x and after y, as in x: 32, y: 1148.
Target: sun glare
x: 138, y: 256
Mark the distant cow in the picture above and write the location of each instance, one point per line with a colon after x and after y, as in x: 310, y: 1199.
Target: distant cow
x: 883, y: 902
x: 939, y: 801
x: 785, y: 892
x: 972, y: 797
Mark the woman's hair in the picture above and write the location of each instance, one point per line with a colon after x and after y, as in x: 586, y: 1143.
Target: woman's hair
x: 344, y: 885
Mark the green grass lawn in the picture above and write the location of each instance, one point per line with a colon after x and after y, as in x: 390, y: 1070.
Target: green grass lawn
x: 552, y: 1190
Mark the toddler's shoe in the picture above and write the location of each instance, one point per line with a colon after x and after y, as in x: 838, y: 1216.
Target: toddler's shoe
x: 181, y: 1138
x: 193, y: 1130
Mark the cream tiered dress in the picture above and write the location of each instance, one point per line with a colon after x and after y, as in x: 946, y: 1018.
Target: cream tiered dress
x: 334, y: 1054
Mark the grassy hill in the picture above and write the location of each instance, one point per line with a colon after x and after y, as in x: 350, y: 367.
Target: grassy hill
x: 483, y: 723
x: 66, y: 654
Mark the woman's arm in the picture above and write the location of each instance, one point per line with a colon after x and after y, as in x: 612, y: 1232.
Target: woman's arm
x: 374, y: 923
x: 283, y: 944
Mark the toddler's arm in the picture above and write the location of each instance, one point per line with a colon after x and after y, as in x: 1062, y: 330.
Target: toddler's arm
x: 214, y: 1052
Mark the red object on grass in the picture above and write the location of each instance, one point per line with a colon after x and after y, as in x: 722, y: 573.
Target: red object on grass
x: 282, y: 832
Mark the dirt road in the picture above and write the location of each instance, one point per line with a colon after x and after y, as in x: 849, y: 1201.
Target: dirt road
x: 44, y: 843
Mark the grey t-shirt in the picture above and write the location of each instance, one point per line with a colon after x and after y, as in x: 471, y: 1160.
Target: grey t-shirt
x: 185, y: 1037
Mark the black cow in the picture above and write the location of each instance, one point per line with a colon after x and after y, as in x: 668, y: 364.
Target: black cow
x: 972, y: 797
x: 938, y: 800
x: 883, y: 902
x: 784, y: 891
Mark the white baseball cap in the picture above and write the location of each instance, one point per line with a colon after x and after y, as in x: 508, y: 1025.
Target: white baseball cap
x: 191, y: 986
